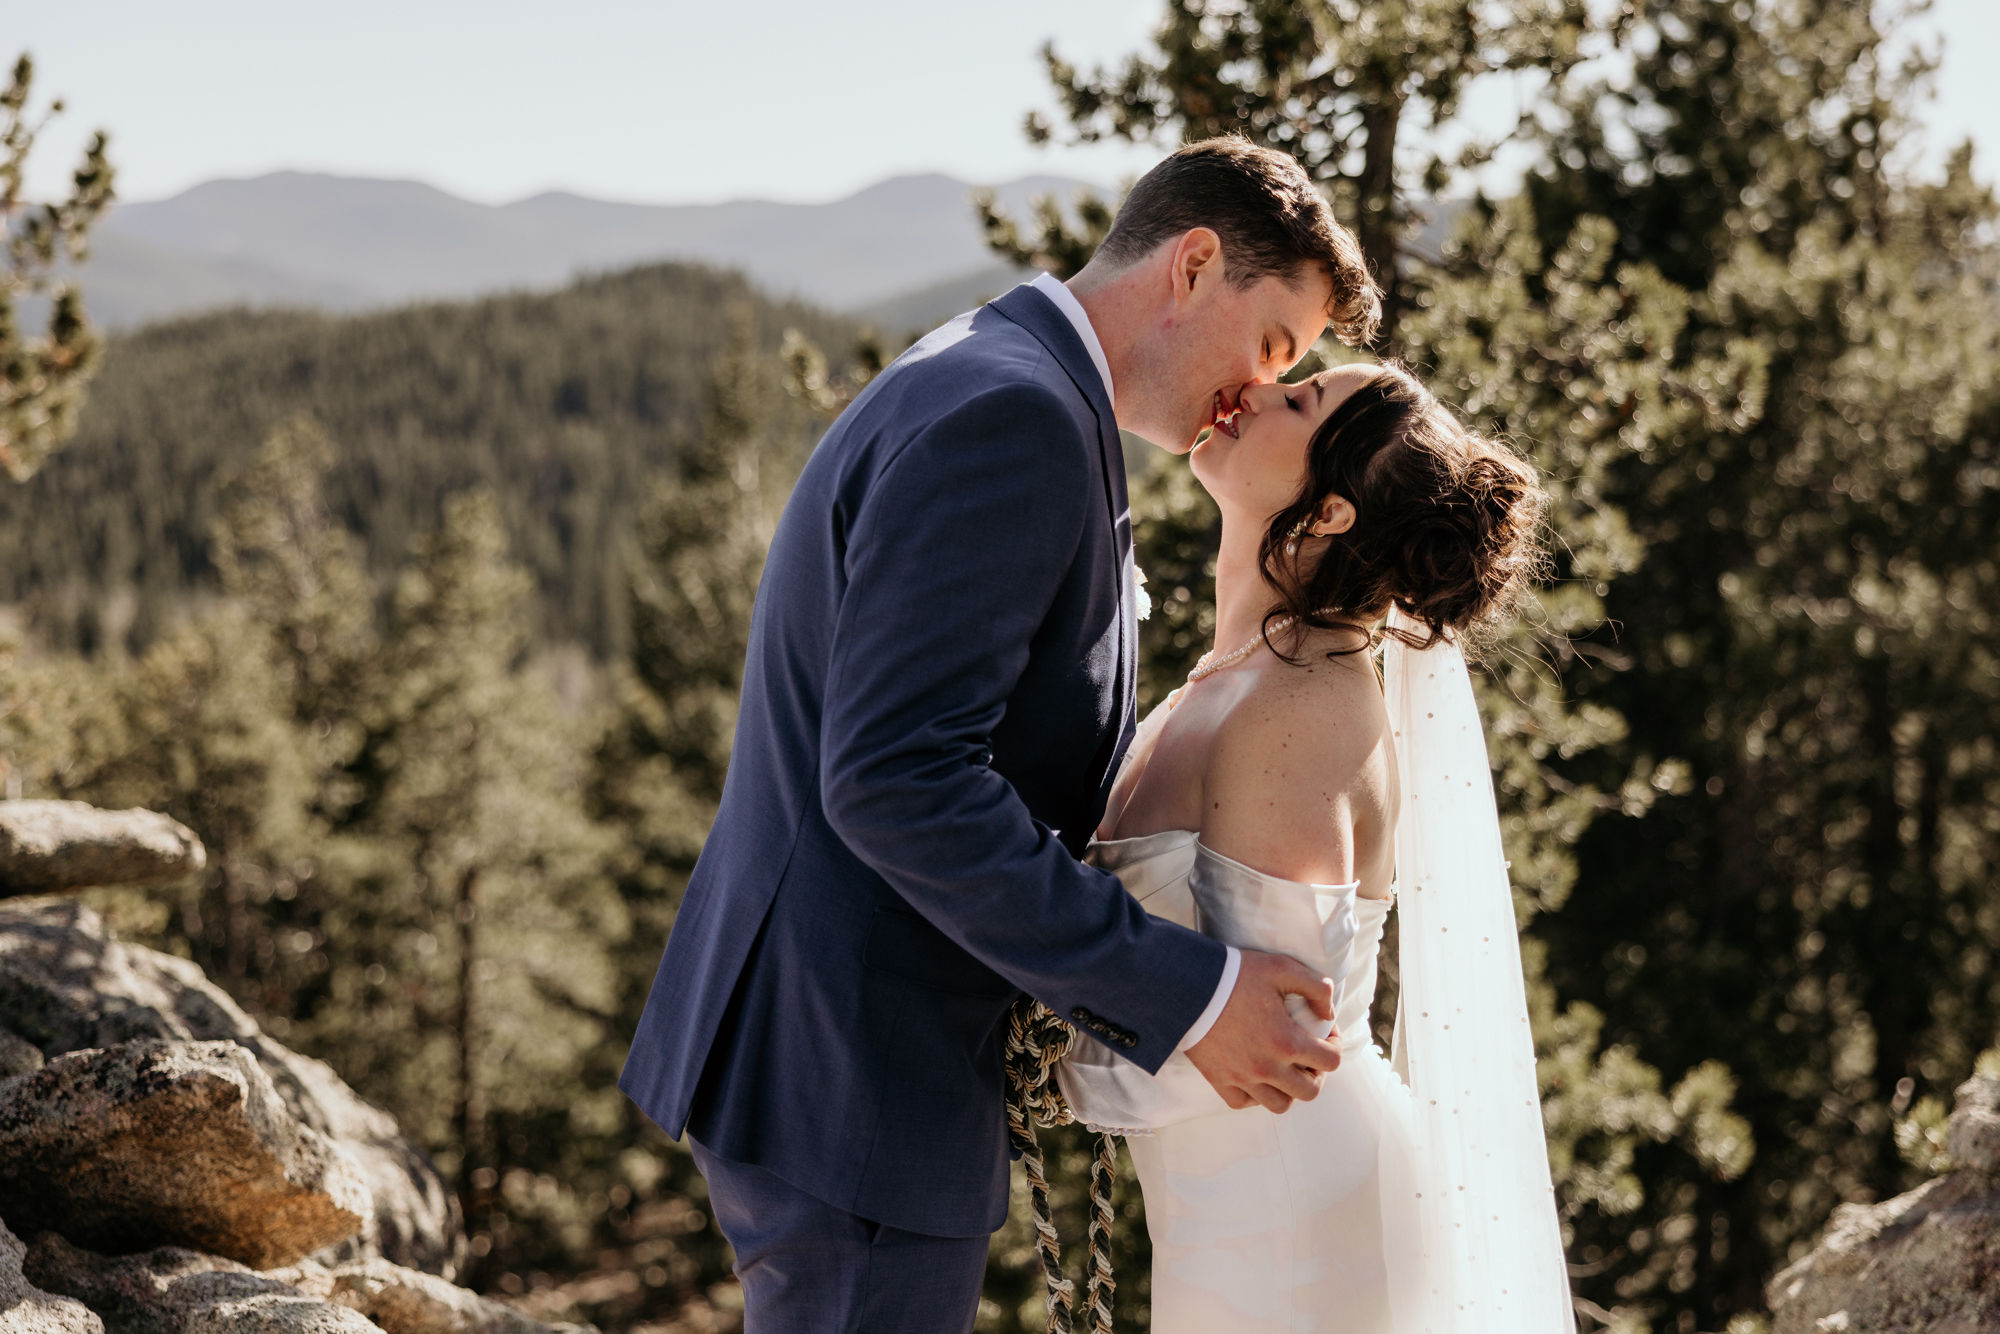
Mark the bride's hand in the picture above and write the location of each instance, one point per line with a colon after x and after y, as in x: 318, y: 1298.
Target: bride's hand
x: 1256, y: 1052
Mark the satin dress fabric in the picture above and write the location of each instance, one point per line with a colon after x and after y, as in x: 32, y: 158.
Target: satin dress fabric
x: 1303, y: 1221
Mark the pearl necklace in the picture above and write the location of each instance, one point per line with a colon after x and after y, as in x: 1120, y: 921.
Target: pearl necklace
x: 1209, y: 664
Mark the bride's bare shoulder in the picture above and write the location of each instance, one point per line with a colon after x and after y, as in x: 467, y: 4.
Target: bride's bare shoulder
x: 1323, y: 709
x: 1297, y: 765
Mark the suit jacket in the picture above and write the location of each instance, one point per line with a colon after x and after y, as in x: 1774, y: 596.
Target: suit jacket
x: 938, y: 686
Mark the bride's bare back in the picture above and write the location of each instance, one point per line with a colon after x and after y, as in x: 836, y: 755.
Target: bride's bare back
x: 1287, y: 768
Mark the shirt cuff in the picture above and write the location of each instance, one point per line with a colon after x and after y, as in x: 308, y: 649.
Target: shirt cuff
x: 1206, y: 1019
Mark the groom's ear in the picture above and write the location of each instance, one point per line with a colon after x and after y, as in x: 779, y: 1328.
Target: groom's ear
x: 1197, y: 262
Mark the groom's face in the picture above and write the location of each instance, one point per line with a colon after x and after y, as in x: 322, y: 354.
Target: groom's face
x: 1224, y: 338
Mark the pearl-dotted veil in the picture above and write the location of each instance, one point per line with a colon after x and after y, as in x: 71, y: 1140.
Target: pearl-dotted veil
x: 1494, y: 1257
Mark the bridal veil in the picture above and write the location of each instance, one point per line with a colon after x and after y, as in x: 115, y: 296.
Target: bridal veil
x: 1485, y: 1206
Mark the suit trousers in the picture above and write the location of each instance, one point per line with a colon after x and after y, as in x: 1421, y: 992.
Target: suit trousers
x: 810, y: 1268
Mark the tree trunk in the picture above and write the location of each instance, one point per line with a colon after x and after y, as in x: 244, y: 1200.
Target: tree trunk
x: 1376, y: 222
x: 1895, y: 992
x: 236, y: 910
x: 468, y: 1116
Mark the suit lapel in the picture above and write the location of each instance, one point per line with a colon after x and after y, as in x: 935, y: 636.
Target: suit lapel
x: 1039, y: 316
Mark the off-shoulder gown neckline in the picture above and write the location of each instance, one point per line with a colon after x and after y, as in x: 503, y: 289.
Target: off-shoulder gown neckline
x: 1137, y: 847
x: 1303, y: 1223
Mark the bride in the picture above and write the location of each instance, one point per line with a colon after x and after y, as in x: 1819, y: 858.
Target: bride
x: 1279, y: 801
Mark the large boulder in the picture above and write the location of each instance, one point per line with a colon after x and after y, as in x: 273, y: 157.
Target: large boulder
x: 170, y: 1290
x: 26, y: 1309
x: 1925, y: 1261
x: 404, y: 1301
x: 67, y: 984
x: 187, y: 1143
x: 47, y: 847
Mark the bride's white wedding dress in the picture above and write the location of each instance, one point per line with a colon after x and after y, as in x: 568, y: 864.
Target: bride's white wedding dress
x: 1412, y: 1195
x: 1306, y: 1221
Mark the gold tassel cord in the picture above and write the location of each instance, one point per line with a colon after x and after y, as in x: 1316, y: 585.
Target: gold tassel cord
x: 1099, y: 1286
x: 1036, y: 1040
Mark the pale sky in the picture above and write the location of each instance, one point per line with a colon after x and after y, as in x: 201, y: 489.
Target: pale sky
x: 662, y: 102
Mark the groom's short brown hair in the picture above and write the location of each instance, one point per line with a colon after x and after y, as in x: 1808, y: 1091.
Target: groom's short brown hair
x: 1272, y: 221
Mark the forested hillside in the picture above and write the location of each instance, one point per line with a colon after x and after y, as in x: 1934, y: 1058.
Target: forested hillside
x: 563, y: 404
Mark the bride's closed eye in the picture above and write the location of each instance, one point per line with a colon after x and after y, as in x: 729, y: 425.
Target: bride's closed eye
x: 1293, y: 403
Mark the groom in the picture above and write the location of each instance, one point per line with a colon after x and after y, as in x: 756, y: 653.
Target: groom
x: 938, y: 688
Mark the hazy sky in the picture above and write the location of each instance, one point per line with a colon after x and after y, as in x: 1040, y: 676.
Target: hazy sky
x: 665, y: 101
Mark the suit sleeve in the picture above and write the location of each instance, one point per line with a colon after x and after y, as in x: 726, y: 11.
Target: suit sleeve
x: 953, y: 559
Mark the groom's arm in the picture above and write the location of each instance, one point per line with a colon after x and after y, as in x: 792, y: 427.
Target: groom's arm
x: 953, y: 559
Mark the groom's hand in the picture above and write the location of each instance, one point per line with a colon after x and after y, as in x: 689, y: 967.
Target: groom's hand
x: 1256, y: 1052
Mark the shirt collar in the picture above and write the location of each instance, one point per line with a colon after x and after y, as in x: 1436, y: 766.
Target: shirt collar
x: 1053, y: 288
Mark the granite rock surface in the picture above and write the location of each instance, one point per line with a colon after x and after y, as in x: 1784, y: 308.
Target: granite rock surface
x: 1927, y: 1260
x: 68, y: 983
x: 150, y: 1142
x: 47, y: 847
x: 26, y: 1309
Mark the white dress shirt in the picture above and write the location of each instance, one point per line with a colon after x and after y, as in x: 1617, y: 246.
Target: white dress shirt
x: 1072, y: 309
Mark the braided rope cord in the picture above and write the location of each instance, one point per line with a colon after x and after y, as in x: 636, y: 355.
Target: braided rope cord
x: 1036, y: 1040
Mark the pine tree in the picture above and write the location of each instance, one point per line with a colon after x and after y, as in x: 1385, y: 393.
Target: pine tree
x: 42, y: 377
x: 1809, y: 636
x: 699, y: 552
x: 219, y: 724
x: 657, y: 775
x: 485, y: 919
x: 1338, y: 84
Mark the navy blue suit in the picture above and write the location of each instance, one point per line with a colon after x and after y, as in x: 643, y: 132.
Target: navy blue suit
x: 938, y: 687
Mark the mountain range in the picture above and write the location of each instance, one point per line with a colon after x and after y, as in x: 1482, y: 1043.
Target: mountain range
x: 903, y: 251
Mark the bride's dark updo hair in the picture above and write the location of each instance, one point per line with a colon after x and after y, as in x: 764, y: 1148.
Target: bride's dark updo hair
x: 1445, y: 521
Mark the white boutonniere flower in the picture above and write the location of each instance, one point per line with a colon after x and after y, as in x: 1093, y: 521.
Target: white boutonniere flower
x: 1142, y: 603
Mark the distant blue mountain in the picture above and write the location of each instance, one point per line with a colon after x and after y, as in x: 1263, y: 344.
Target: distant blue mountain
x: 298, y: 238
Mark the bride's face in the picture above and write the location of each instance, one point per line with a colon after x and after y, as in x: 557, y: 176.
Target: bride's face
x: 1255, y: 466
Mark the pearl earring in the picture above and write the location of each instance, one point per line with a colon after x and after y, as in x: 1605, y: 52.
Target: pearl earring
x: 1292, y: 543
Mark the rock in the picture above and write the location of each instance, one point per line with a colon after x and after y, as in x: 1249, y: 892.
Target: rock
x: 1925, y: 1261
x: 18, y: 1056
x: 404, y: 1301
x: 26, y: 1309
x: 1972, y: 1137
x: 183, y: 1143
x: 169, y: 1290
x: 68, y: 983
x: 47, y: 847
